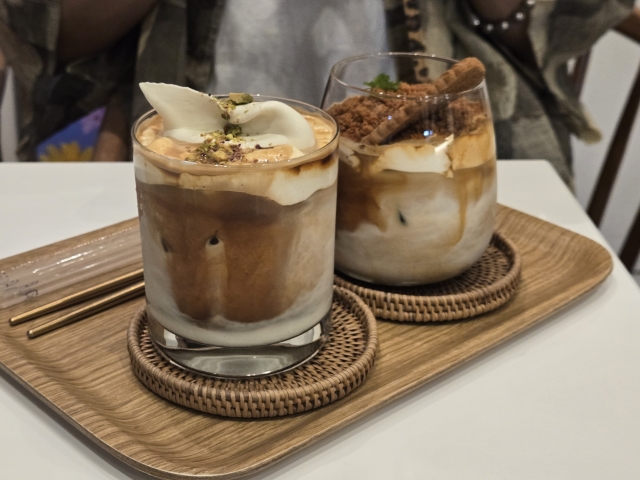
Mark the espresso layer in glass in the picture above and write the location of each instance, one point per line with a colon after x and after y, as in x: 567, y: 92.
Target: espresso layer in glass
x: 237, y: 254
x: 417, y: 181
x: 400, y: 227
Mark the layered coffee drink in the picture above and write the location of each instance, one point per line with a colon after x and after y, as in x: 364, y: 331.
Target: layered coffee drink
x: 417, y: 181
x: 237, y: 201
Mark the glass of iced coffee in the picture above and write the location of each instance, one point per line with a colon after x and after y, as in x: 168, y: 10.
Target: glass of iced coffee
x: 237, y: 201
x: 417, y: 177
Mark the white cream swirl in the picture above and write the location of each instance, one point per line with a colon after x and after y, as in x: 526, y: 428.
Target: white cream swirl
x: 188, y: 114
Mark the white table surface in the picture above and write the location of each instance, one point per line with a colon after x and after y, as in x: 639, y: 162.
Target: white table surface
x: 561, y: 401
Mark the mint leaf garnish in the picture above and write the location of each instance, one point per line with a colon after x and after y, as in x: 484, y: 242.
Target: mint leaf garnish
x: 383, y: 82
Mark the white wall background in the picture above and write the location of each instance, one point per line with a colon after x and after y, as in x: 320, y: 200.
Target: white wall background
x: 611, y: 72
x: 612, y: 69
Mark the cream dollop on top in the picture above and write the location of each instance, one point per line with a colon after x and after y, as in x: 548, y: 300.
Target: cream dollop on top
x: 408, y: 156
x: 443, y: 156
x: 188, y: 115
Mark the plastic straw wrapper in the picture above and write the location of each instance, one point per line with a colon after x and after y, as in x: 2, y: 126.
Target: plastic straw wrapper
x: 68, y: 266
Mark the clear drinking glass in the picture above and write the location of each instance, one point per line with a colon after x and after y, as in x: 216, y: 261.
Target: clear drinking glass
x: 238, y: 258
x: 417, y: 176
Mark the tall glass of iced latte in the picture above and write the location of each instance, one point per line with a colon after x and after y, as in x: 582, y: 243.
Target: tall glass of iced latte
x: 237, y: 201
x: 417, y: 181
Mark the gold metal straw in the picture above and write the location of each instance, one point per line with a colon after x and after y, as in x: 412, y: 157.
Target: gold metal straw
x: 78, y: 297
x: 112, y: 300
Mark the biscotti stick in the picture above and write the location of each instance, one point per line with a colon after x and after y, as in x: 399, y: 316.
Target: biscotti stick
x: 410, y: 113
x: 462, y: 76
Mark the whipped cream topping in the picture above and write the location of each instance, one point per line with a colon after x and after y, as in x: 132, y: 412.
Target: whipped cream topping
x: 409, y: 156
x: 186, y: 118
x: 189, y: 115
x: 443, y: 156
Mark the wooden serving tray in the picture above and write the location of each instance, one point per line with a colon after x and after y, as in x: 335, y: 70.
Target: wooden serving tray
x: 82, y: 371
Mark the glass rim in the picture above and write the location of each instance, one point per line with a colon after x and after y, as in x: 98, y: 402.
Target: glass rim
x: 228, y: 167
x: 425, y: 56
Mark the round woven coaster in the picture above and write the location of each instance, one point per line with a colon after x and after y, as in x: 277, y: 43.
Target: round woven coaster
x: 338, y: 368
x: 487, y: 285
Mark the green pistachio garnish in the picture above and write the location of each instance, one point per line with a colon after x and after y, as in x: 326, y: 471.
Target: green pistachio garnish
x: 220, y: 156
x: 240, y: 98
x: 216, y: 147
x: 231, y: 129
x: 221, y: 146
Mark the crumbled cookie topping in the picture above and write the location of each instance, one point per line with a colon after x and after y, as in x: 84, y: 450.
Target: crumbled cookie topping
x: 375, y: 120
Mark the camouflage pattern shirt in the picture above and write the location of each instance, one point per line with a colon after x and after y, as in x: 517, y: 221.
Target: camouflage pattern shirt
x: 535, y: 109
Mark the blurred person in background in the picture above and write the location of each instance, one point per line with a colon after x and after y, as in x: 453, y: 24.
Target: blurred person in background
x: 77, y: 63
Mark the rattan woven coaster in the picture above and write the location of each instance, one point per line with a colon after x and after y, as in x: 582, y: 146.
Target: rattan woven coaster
x: 487, y: 285
x: 340, y: 366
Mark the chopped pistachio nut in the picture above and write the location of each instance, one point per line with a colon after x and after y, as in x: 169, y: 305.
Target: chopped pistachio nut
x: 240, y: 98
x: 232, y: 102
x: 216, y: 149
x: 231, y: 129
x: 220, y: 156
x: 219, y: 147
